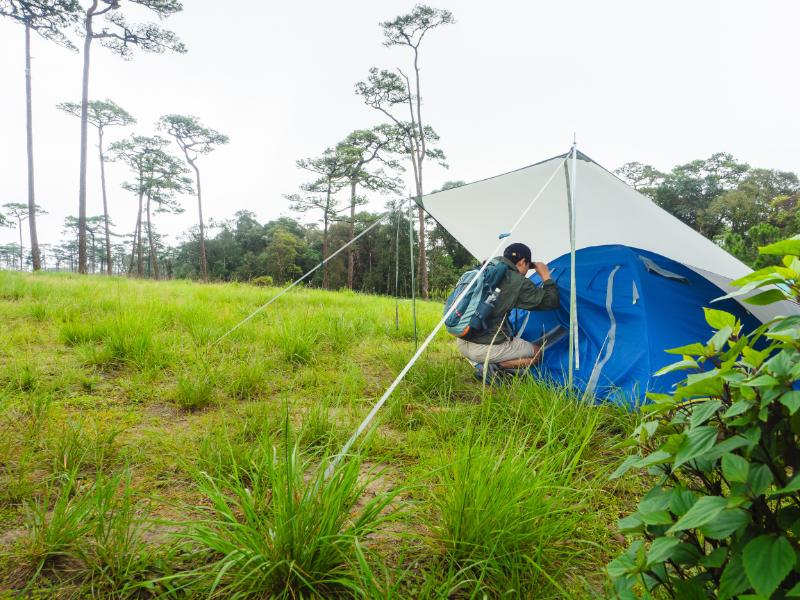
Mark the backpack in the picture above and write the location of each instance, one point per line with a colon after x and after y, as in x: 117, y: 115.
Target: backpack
x: 474, y: 310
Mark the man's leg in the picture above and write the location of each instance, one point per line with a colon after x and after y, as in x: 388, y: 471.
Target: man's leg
x: 521, y: 363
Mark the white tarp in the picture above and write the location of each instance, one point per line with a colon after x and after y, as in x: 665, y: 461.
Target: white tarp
x: 608, y: 211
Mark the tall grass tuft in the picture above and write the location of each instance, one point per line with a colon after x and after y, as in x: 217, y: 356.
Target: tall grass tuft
x: 116, y: 560
x: 297, y: 346
x: 193, y: 391
x: 510, y: 507
x: 291, y: 533
x: 56, y: 522
x: 247, y: 380
x: 21, y: 376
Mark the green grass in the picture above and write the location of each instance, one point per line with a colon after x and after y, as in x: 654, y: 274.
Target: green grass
x: 140, y: 459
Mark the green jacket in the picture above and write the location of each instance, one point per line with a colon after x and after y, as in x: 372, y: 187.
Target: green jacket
x: 516, y: 291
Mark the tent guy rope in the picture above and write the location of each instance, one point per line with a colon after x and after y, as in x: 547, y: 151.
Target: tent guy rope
x: 368, y: 419
x: 294, y: 283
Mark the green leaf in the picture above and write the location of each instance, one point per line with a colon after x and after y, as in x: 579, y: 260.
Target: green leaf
x: 762, y: 380
x: 687, y: 363
x: 661, y: 549
x: 766, y: 297
x: 790, y: 246
x: 690, y: 589
x: 719, y: 319
x: 704, y: 511
x: 645, y: 431
x: 785, y: 330
x: 702, y: 412
x: 792, y: 486
x: 753, y: 357
x: 726, y: 523
x: 697, y: 442
x: 686, y: 554
x: 735, y: 467
x: 759, y: 479
x: 707, y: 383
x: 716, y: 559
x: 681, y: 501
x: 718, y: 340
x: 737, y: 408
x: 755, y: 276
x: 626, y: 466
x: 630, y: 524
x: 659, y: 398
x: 794, y: 592
x: 767, y: 561
x: 696, y: 349
x: 791, y: 400
x: 654, y: 458
x: 734, y: 580
x: 627, y: 562
x: 781, y: 365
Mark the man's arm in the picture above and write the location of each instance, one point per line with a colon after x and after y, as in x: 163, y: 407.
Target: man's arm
x: 535, y: 298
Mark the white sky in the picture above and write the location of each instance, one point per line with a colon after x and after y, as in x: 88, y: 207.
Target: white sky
x: 662, y: 82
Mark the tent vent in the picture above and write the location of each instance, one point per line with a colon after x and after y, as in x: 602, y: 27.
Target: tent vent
x: 635, y: 293
x: 652, y: 267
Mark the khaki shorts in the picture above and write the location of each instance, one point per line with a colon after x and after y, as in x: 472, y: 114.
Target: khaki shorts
x: 508, y: 350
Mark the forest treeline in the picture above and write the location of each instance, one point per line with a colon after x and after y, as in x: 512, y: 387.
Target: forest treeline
x: 738, y: 206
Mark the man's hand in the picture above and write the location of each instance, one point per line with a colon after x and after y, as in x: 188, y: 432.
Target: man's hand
x: 542, y: 270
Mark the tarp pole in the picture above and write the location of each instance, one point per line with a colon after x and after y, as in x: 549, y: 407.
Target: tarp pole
x: 574, y: 354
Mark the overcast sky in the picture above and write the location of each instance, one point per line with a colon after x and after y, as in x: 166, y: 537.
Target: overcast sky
x: 662, y: 82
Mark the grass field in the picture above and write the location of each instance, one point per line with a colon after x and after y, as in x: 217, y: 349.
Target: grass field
x: 136, y: 462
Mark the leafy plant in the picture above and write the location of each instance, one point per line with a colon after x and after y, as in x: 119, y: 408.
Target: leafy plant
x: 723, y: 517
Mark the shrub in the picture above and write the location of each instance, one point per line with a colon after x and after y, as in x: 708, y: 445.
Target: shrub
x: 723, y: 516
x: 262, y: 281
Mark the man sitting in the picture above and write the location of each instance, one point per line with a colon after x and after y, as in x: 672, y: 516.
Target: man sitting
x: 516, y: 291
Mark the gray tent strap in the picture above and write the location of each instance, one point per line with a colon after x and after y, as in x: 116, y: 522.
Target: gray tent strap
x: 611, y: 338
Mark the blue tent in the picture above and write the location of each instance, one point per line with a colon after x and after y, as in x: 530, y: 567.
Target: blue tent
x: 632, y: 305
x: 643, y: 276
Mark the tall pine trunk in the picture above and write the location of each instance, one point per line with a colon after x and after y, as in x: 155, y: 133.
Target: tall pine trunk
x: 19, y: 223
x: 153, y: 258
x: 105, y: 200
x: 203, y: 260
x: 325, y: 250
x: 423, y: 263
x: 87, y: 45
x: 137, y: 236
x: 133, y: 248
x: 35, y: 256
x: 351, y: 259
